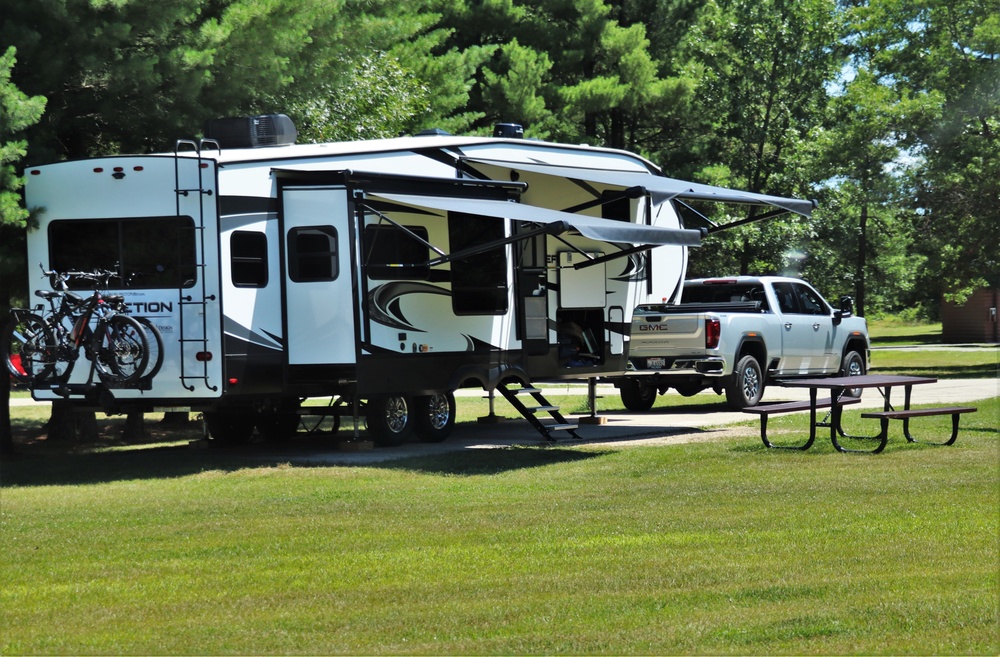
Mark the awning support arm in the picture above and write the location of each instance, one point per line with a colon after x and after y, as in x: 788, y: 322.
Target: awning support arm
x: 749, y: 220
x: 613, y: 256
x: 489, y: 246
x: 422, y: 241
x: 631, y: 192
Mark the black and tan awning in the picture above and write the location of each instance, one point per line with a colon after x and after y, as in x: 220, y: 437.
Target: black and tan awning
x: 660, y: 188
x: 595, y: 228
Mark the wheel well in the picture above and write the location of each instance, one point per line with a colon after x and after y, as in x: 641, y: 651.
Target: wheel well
x: 753, y: 348
x: 858, y: 346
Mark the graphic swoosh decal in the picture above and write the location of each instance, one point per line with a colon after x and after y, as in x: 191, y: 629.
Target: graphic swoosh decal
x: 385, y: 300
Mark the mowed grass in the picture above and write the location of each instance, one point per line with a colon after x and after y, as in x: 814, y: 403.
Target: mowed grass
x: 721, y: 547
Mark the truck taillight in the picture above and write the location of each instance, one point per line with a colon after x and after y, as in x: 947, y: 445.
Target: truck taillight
x: 713, y: 330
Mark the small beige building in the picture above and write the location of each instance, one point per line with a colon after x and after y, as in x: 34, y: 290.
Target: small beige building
x: 973, y: 321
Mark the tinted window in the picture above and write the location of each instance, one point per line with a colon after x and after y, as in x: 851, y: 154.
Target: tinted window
x: 151, y: 252
x: 392, y: 253
x: 248, y: 254
x: 312, y: 254
x: 479, y: 282
x: 809, y: 301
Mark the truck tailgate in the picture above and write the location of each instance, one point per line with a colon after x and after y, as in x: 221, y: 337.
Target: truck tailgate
x: 667, y: 335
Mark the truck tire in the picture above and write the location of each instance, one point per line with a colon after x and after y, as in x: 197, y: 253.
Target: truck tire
x: 746, y: 386
x: 852, y: 365
x: 637, y: 397
x: 434, y: 417
x: 389, y: 419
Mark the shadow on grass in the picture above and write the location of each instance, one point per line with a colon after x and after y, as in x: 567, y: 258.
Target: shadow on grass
x: 901, y: 340
x: 478, y: 462
x: 38, y: 464
x: 979, y: 371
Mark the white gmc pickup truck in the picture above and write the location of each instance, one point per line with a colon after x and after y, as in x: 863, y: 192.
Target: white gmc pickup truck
x: 734, y: 335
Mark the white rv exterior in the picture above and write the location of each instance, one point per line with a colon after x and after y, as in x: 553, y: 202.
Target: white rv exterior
x: 406, y: 268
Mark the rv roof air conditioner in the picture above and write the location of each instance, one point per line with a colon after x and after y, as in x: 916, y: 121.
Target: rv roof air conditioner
x: 252, y: 131
x: 508, y: 131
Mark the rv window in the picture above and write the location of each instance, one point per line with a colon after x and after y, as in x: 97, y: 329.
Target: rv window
x: 390, y: 253
x: 478, y: 283
x: 248, y: 252
x: 153, y: 252
x: 312, y: 254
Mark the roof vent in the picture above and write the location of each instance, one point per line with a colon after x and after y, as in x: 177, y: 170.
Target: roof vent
x: 433, y: 132
x: 252, y: 131
x: 508, y: 131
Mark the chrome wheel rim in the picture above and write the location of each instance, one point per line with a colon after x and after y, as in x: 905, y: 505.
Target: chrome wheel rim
x: 396, y: 414
x: 438, y: 411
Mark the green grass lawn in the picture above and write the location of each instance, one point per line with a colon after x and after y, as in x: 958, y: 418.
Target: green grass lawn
x: 721, y: 547
x: 890, y: 332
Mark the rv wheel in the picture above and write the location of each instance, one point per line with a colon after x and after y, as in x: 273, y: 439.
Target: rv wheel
x: 233, y: 427
x: 389, y: 419
x: 434, y: 417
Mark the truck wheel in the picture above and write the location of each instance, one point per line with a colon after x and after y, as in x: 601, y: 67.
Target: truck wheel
x: 747, y: 384
x: 853, y: 365
x: 637, y: 397
x: 389, y: 419
x: 434, y: 417
x: 231, y: 427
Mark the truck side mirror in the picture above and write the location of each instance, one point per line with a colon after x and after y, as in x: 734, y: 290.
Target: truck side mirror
x: 847, y: 306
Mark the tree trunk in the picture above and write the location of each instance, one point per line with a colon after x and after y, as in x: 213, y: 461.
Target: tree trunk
x: 175, y: 418
x: 135, y: 427
x: 62, y: 422
x: 66, y: 424
x: 861, y: 264
x: 6, y: 435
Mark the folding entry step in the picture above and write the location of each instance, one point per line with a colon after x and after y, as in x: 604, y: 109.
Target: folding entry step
x: 529, y: 412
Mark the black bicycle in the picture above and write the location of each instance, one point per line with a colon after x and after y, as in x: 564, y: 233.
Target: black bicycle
x: 41, y: 347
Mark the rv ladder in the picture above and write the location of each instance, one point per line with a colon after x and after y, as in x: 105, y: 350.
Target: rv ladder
x: 529, y: 412
x: 197, y: 335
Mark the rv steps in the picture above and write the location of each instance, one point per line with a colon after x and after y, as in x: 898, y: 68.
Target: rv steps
x: 529, y: 412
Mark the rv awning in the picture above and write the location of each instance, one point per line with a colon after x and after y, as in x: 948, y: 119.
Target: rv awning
x: 603, y: 230
x: 660, y: 188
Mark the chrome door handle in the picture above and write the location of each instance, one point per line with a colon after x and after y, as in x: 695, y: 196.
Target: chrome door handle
x: 788, y: 325
x: 815, y: 327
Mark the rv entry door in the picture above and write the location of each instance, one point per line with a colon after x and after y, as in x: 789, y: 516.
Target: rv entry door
x: 318, y: 281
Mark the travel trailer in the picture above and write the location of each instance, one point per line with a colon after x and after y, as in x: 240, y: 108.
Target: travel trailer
x: 384, y: 274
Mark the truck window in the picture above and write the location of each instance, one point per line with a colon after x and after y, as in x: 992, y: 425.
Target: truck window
x: 248, y: 255
x: 478, y: 283
x: 810, y: 302
x: 723, y: 293
x: 390, y: 253
x: 787, y: 302
x: 151, y: 252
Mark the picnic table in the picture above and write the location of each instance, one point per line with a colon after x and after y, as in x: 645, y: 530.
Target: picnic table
x: 845, y: 390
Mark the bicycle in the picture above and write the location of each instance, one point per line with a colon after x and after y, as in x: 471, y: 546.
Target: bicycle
x: 42, y: 349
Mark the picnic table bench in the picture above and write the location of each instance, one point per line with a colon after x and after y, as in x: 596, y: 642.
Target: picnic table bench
x: 838, y: 387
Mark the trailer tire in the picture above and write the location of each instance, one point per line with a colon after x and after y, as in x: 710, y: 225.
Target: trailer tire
x: 389, y: 419
x: 852, y: 365
x: 637, y: 397
x: 434, y: 417
x: 746, y: 386
x: 231, y: 427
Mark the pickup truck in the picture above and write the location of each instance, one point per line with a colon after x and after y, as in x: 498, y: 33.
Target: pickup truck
x: 734, y: 335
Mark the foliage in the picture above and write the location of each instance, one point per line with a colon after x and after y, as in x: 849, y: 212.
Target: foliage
x: 888, y: 111
x: 17, y: 112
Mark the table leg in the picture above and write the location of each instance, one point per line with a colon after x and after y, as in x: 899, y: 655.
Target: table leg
x: 837, y: 414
